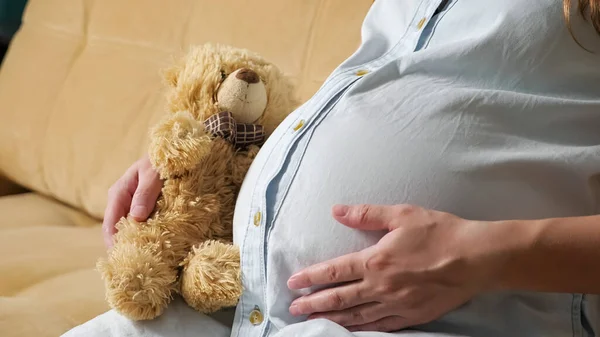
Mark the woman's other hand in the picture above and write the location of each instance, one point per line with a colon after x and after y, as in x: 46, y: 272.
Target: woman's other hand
x: 135, y: 194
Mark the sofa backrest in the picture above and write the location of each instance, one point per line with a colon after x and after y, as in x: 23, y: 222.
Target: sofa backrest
x: 81, y: 82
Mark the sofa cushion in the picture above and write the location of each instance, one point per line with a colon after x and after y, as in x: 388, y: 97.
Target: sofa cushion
x: 48, y: 253
x: 81, y: 83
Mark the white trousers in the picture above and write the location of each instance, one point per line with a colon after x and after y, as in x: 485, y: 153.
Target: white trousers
x: 179, y: 320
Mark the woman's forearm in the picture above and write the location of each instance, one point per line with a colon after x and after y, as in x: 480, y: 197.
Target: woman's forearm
x: 554, y: 255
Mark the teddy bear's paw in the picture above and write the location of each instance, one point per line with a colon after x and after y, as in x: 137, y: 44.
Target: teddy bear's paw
x: 241, y: 164
x: 211, y: 277
x: 253, y: 151
x: 138, y: 284
x: 178, y: 144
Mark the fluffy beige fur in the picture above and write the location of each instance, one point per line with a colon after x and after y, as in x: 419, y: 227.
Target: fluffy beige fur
x: 185, y: 247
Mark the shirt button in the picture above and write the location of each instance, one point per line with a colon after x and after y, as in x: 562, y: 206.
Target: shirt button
x: 362, y: 72
x: 257, y: 217
x: 421, y: 23
x: 299, y: 125
x: 256, y: 317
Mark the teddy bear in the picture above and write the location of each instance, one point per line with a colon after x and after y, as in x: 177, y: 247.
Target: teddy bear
x: 223, y: 103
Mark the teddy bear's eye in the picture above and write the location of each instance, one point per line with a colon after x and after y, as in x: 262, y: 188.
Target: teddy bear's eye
x: 223, y: 75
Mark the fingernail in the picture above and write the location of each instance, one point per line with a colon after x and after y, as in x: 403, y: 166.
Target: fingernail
x: 340, y: 210
x: 139, y: 212
x: 293, y: 282
x: 294, y: 310
x: 296, y: 282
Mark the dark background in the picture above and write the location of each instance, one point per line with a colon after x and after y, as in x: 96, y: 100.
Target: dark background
x: 11, y: 12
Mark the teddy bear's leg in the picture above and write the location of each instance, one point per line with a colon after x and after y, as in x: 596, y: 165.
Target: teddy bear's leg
x: 139, y: 279
x: 211, y: 277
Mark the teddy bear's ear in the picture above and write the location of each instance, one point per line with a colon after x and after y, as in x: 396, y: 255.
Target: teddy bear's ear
x: 171, y: 73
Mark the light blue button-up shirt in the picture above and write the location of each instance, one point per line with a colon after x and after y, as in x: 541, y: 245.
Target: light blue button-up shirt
x: 486, y: 109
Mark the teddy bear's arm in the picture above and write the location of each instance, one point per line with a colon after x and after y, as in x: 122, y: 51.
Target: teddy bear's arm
x: 178, y: 143
x: 241, y: 164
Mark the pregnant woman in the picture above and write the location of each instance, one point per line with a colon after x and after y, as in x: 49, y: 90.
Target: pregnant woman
x: 444, y: 181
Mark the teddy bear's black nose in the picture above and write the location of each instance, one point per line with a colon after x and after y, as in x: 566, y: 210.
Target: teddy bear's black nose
x: 247, y: 76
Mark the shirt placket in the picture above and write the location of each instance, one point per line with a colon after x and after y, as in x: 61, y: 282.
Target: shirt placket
x: 414, y: 33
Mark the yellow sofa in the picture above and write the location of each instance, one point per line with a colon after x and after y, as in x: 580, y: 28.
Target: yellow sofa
x: 79, y: 87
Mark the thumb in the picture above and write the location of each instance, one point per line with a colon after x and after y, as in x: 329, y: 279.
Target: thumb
x: 367, y: 217
x: 145, y: 195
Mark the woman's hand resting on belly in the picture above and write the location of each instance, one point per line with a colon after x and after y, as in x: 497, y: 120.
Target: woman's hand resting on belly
x: 433, y: 262
x: 425, y: 266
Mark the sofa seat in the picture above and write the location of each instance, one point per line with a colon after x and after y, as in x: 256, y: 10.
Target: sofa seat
x: 47, y: 279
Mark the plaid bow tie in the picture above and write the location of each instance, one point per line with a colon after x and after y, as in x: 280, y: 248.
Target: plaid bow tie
x: 241, y: 135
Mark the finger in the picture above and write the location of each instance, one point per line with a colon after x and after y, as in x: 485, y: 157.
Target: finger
x: 333, y: 299
x: 367, y: 217
x: 117, y: 207
x: 386, y: 324
x: 355, y: 316
x: 146, y: 194
x: 118, y: 203
x: 107, y: 233
x: 342, y: 269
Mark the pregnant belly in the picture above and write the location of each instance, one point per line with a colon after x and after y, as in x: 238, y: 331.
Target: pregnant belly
x: 360, y: 156
x: 345, y: 163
